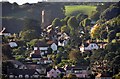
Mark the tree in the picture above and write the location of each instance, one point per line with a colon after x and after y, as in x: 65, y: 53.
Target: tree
x: 110, y: 56
x: 72, y: 76
x: 86, y: 22
x: 6, y: 52
x: 28, y: 35
x: 72, y: 22
x: 32, y: 26
x: 103, y: 34
x: 56, y: 22
x: 75, y: 55
x: 95, y: 31
x: 116, y: 63
x: 15, y: 6
x: 112, y: 47
x: 78, y: 17
x: 111, y: 35
x: 118, y: 35
x: 19, y: 51
x: 111, y: 12
x: 65, y: 29
x: 66, y: 19
x: 95, y: 15
x: 33, y: 42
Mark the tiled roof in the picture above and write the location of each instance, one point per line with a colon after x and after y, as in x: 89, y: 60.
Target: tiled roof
x: 42, y: 44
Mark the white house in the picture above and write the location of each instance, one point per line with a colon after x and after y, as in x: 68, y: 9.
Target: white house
x: 62, y: 42
x: 54, y: 47
x: 63, y: 39
x: 91, y: 46
x: 43, y: 50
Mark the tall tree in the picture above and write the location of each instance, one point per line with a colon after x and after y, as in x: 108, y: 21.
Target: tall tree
x: 72, y: 22
x: 56, y: 22
x: 95, y: 31
x: 111, y: 35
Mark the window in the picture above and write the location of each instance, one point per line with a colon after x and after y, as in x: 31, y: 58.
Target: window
x: 91, y: 45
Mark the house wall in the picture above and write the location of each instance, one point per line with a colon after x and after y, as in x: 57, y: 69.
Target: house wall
x: 54, y: 47
x: 53, y: 73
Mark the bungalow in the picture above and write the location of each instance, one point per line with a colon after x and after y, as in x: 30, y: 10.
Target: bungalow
x: 88, y: 47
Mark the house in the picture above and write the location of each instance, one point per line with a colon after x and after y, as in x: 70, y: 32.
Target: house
x: 80, y: 72
x: 36, y: 54
x: 88, y: 47
x: 45, y: 61
x: 55, y: 72
x: 54, y: 46
x: 18, y: 70
x: 63, y: 39
x: 101, y: 76
x: 51, y: 33
x: 17, y: 64
x: 62, y: 42
x: 22, y: 73
x: 38, y: 67
x: 39, y: 50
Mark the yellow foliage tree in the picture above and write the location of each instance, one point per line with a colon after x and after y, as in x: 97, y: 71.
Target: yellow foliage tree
x: 95, y: 31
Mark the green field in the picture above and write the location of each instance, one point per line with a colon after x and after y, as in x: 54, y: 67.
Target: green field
x: 75, y: 9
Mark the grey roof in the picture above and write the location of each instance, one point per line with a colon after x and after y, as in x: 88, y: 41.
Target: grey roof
x: 15, y: 62
x: 22, y: 72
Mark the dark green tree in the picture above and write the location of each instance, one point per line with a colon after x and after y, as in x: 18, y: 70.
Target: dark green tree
x: 56, y: 22
x: 28, y: 35
x: 111, y: 35
x: 103, y: 34
x: 72, y: 22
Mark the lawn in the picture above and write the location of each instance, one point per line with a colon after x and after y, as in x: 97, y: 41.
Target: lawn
x: 75, y: 9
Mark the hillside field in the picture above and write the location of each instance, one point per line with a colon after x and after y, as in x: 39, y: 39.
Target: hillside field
x: 75, y: 9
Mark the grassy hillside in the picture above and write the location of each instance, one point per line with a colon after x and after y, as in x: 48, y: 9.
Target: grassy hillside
x: 74, y: 9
